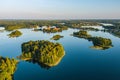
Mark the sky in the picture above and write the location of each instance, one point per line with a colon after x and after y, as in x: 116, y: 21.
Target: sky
x: 59, y: 9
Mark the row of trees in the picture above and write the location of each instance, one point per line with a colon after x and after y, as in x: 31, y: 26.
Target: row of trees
x: 45, y: 52
x: 7, y: 68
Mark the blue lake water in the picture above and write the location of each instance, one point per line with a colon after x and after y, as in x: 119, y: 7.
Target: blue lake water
x: 79, y: 63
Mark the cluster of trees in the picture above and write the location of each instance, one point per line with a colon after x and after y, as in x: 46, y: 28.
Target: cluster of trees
x: 15, y: 33
x: 13, y: 27
x: 103, y: 43
x: 79, y: 23
x: 54, y: 30
x: 44, y: 52
x: 98, y: 42
x: 81, y: 34
x: 57, y: 37
x: 7, y: 68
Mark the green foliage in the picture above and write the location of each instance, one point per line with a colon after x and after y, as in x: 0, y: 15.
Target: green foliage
x: 64, y: 28
x: 15, y: 34
x: 52, y: 30
x: 57, y: 37
x: 82, y: 34
x: 98, y: 42
x: 7, y: 68
x: 12, y: 27
x: 44, y: 52
x: 101, y: 42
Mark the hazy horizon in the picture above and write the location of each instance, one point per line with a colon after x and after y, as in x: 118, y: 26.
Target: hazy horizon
x: 57, y: 9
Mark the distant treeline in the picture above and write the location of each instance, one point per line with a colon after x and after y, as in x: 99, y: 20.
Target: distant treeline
x: 17, y: 24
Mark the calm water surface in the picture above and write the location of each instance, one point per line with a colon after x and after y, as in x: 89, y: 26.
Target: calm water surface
x: 80, y: 62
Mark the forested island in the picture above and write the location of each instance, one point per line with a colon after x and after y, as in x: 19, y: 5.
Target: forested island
x: 98, y: 42
x: 57, y: 37
x: 44, y: 52
x: 7, y: 68
x: 101, y: 43
x: 82, y: 34
x: 54, y: 29
x: 15, y: 33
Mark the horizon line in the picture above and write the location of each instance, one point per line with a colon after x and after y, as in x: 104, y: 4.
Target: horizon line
x: 64, y: 19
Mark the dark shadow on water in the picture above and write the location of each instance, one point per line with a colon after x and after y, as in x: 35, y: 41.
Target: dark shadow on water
x: 40, y: 64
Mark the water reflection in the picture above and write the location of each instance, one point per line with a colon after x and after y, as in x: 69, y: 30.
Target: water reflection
x: 42, y: 65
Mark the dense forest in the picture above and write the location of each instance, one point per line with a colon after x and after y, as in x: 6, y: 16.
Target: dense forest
x: 57, y: 37
x: 15, y: 33
x: 44, y: 52
x: 7, y: 68
x: 98, y: 42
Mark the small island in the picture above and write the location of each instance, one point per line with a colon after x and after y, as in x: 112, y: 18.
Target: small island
x: 44, y: 52
x: 7, y: 68
x: 15, y: 33
x: 51, y: 29
x: 57, y: 37
x: 82, y: 34
x: 99, y: 43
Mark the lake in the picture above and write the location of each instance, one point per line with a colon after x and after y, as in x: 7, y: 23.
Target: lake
x: 79, y: 63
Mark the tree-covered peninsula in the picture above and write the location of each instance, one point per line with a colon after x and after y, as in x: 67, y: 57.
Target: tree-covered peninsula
x: 7, y: 68
x: 98, y: 42
x: 45, y: 52
x: 15, y: 33
x: 57, y: 37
